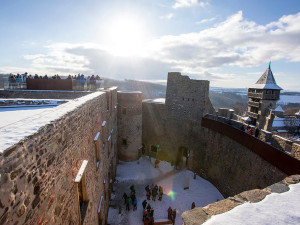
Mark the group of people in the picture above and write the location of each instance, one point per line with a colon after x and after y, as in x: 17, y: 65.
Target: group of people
x: 250, y: 130
x: 148, y: 213
x: 130, y: 199
x: 153, y: 191
x: 21, y: 78
x: 79, y: 81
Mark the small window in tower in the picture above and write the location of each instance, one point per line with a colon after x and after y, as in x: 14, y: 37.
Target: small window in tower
x: 182, y: 99
x: 124, y: 111
x: 124, y: 142
x: 188, y: 99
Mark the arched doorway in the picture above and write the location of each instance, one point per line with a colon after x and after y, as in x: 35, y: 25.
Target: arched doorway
x: 182, y: 157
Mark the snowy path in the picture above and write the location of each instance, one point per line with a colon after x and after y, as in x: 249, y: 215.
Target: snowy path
x: 201, y: 191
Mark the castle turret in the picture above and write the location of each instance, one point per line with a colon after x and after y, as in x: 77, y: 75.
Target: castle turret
x: 263, y: 96
x: 129, y: 124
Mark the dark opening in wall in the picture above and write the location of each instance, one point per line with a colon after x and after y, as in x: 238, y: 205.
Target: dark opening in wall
x: 124, y: 142
x: 80, y: 181
x: 124, y: 111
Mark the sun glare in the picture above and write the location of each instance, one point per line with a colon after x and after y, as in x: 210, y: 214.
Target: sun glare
x: 125, y: 35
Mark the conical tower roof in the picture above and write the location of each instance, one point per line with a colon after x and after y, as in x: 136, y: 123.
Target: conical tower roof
x: 266, y: 81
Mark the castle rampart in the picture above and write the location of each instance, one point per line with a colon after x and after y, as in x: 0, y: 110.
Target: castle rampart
x: 62, y: 174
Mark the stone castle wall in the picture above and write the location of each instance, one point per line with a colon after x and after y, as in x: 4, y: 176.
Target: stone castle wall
x: 230, y: 166
x: 187, y: 98
x: 155, y: 131
x: 129, y: 125
x: 38, y: 175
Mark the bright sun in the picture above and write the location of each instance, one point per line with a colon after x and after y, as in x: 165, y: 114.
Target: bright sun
x: 125, y: 35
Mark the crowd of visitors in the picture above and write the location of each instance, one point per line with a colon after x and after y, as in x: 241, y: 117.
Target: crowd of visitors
x: 79, y: 80
x: 251, y: 130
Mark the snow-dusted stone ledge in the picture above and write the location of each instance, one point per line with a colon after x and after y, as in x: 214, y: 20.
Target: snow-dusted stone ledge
x: 202, y: 214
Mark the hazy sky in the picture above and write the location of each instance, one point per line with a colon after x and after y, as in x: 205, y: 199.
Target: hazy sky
x: 229, y: 42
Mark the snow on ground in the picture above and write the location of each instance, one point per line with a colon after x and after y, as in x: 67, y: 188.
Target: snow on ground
x: 280, y: 209
x: 142, y: 172
x: 14, y: 114
x: 14, y: 132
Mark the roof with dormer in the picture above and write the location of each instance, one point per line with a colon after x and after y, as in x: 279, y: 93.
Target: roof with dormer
x: 278, y: 109
x: 266, y: 81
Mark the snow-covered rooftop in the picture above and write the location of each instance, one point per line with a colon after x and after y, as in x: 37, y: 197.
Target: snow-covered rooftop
x: 156, y: 101
x: 278, y: 122
x: 14, y: 126
x: 276, y: 208
x: 266, y: 81
x: 279, y: 109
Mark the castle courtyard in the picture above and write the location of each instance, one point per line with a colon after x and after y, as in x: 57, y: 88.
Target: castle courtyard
x: 141, y: 173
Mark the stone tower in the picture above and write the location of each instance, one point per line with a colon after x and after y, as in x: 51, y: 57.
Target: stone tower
x: 263, y: 96
x: 187, y: 99
x: 129, y: 124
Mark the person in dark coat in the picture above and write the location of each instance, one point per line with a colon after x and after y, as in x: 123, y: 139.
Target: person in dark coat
x: 160, y: 194
x: 148, y: 195
x: 147, y: 188
x: 193, y: 205
x: 148, y: 208
x: 132, y: 196
x: 127, y: 203
x: 125, y: 197
x: 151, y: 221
x: 154, y: 193
x: 173, y: 216
x: 132, y: 189
x: 144, y: 203
x: 169, y: 213
x: 151, y: 212
x: 146, y: 221
x: 256, y: 132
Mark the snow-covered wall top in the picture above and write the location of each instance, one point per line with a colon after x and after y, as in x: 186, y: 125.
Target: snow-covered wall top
x: 13, y: 133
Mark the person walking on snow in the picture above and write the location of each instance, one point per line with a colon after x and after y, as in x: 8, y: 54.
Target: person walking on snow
x: 144, y: 214
x: 128, y: 203
x: 148, y: 195
x: 154, y: 193
x: 144, y: 203
x: 125, y: 197
x: 173, y: 216
x: 169, y: 213
x: 134, y: 204
x: 193, y: 205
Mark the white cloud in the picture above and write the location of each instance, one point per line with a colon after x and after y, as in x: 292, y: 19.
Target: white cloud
x: 234, y: 42
x: 188, y: 3
x: 168, y: 16
x: 206, y: 20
